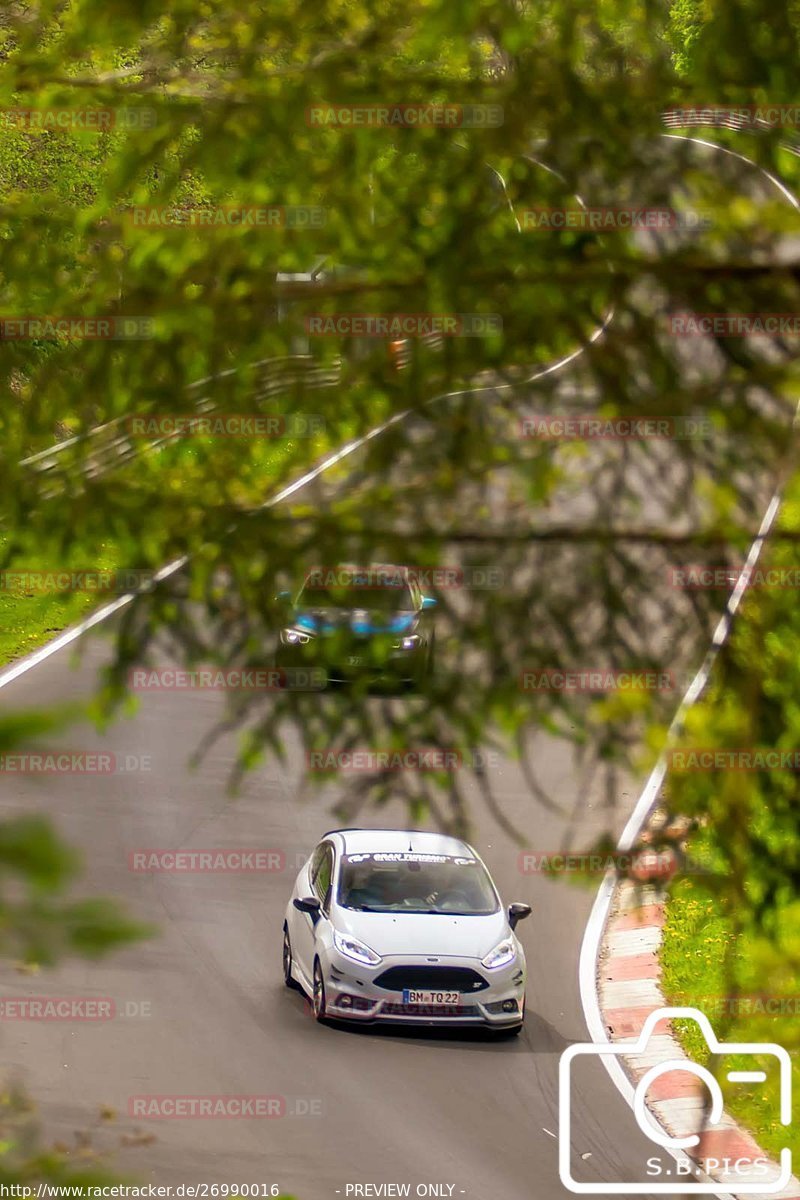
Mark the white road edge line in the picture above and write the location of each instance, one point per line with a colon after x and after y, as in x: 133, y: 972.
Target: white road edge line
x: 593, y: 936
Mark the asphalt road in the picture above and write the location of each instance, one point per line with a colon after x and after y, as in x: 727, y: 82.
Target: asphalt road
x: 203, y: 1010
x: 382, y: 1107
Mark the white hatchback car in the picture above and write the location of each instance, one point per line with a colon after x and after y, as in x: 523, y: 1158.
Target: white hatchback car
x: 404, y: 927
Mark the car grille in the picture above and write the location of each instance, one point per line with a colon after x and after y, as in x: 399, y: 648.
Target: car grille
x: 434, y: 979
x: 429, y: 1010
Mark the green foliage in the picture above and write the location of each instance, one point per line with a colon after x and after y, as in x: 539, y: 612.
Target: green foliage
x: 731, y: 938
x: 748, y: 987
x: 686, y: 18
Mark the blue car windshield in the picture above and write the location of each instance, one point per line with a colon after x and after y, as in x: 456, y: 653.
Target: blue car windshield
x: 381, y: 595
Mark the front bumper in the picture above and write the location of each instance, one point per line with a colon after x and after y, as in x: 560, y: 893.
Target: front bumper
x: 352, y: 994
x: 356, y: 662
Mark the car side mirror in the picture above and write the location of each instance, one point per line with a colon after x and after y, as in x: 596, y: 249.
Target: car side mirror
x: 516, y: 913
x: 308, y: 904
x: 429, y: 602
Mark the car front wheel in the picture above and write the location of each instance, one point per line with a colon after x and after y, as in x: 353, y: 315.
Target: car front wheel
x: 319, y: 993
x: 287, y: 960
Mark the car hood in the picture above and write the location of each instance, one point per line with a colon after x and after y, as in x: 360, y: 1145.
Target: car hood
x: 354, y: 620
x: 420, y: 934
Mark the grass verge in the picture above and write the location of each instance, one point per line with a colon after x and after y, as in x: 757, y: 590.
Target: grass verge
x: 31, y: 613
x: 708, y: 966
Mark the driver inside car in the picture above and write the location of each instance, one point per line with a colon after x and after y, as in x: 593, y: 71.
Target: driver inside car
x: 372, y: 889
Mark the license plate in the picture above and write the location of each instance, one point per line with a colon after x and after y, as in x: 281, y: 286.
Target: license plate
x: 432, y: 998
x: 355, y: 660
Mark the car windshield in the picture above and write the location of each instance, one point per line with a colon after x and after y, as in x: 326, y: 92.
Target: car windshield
x: 416, y: 883
x: 384, y: 593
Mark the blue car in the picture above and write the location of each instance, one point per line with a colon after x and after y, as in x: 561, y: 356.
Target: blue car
x: 360, y: 622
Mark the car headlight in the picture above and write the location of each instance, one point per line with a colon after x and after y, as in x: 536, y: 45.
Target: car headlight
x: 293, y: 637
x: 408, y: 643
x: 501, y: 956
x: 351, y: 947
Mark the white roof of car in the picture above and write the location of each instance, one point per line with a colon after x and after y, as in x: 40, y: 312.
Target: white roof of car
x: 381, y: 840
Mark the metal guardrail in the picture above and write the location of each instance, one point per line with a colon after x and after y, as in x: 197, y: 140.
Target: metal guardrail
x: 111, y: 445
x: 724, y: 118
x: 736, y: 120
